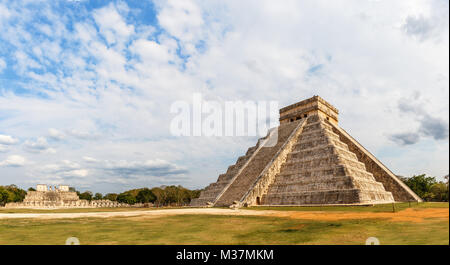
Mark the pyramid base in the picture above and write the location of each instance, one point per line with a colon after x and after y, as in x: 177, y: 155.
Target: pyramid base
x: 331, y: 197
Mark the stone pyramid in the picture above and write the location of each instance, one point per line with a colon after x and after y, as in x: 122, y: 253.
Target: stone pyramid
x: 314, y: 162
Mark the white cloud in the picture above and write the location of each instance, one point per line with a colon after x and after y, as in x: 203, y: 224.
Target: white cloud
x: 156, y: 167
x: 38, y: 146
x: 3, y: 149
x: 55, y: 134
x: 2, y: 65
x: 83, y: 135
x: 89, y: 159
x: 182, y: 19
x: 112, y: 25
x: 150, y: 51
x: 8, y: 140
x: 13, y: 161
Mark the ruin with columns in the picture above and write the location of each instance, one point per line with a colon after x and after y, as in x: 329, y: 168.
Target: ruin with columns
x: 314, y: 162
x: 59, y: 197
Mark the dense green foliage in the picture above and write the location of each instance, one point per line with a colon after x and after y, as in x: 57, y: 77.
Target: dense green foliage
x: 110, y: 196
x: 126, y: 197
x: 87, y: 195
x: 98, y: 196
x: 145, y: 195
x: 159, y: 196
x: 11, y: 193
x: 428, y: 188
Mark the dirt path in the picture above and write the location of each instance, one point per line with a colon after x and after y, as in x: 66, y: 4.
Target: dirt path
x: 408, y: 215
x: 162, y: 212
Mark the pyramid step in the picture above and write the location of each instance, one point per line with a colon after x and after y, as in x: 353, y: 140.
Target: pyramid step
x: 318, y: 141
x: 326, y: 182
x: 347, y: 196
x: 251, y: 150
x: 335, y: 183
x: 350, y: 196
x: 322, y: 151
x: 337, y: 170
x: 318, y: 134
x: 358, y: 173
x: 317, y: 126
x: 198, y: 202
x: 368, y: 184
x: 222, y: 177
x: 323, y: 159
x: 297, y: 177
x: 317, y: 171
x: 375, y: 196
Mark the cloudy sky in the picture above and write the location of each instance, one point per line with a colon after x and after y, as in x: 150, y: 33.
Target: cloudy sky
x: 86, y: 86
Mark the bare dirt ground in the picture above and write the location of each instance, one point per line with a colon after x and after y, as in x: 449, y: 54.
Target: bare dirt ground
x: 408, y: 215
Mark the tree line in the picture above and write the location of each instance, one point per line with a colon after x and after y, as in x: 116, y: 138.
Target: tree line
x: 158, y: 196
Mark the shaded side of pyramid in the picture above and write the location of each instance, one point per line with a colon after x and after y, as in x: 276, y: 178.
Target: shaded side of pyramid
x: 381, y: 173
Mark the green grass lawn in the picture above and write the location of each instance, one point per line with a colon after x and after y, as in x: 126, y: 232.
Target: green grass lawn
x: 214, y: 229
x: 222, y: 229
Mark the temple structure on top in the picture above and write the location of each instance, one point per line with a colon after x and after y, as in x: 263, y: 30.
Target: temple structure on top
x: 314, y: 162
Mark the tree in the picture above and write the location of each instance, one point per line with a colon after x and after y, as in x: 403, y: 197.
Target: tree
x: 31, y: 189
x: 16, y: 194
x: 4, y: 195
x: 160, y: 196
x: 145, y: 195
x: 110, y: 196
x: 195, y: 193
x: 11, y: 193
x: 98, y: 196
x: 87, y: 195
x: 421, y: 185
x: 439, y: 192
x: 126, y: 197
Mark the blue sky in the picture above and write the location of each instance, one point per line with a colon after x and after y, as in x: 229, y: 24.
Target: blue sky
x: 86, y: 86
